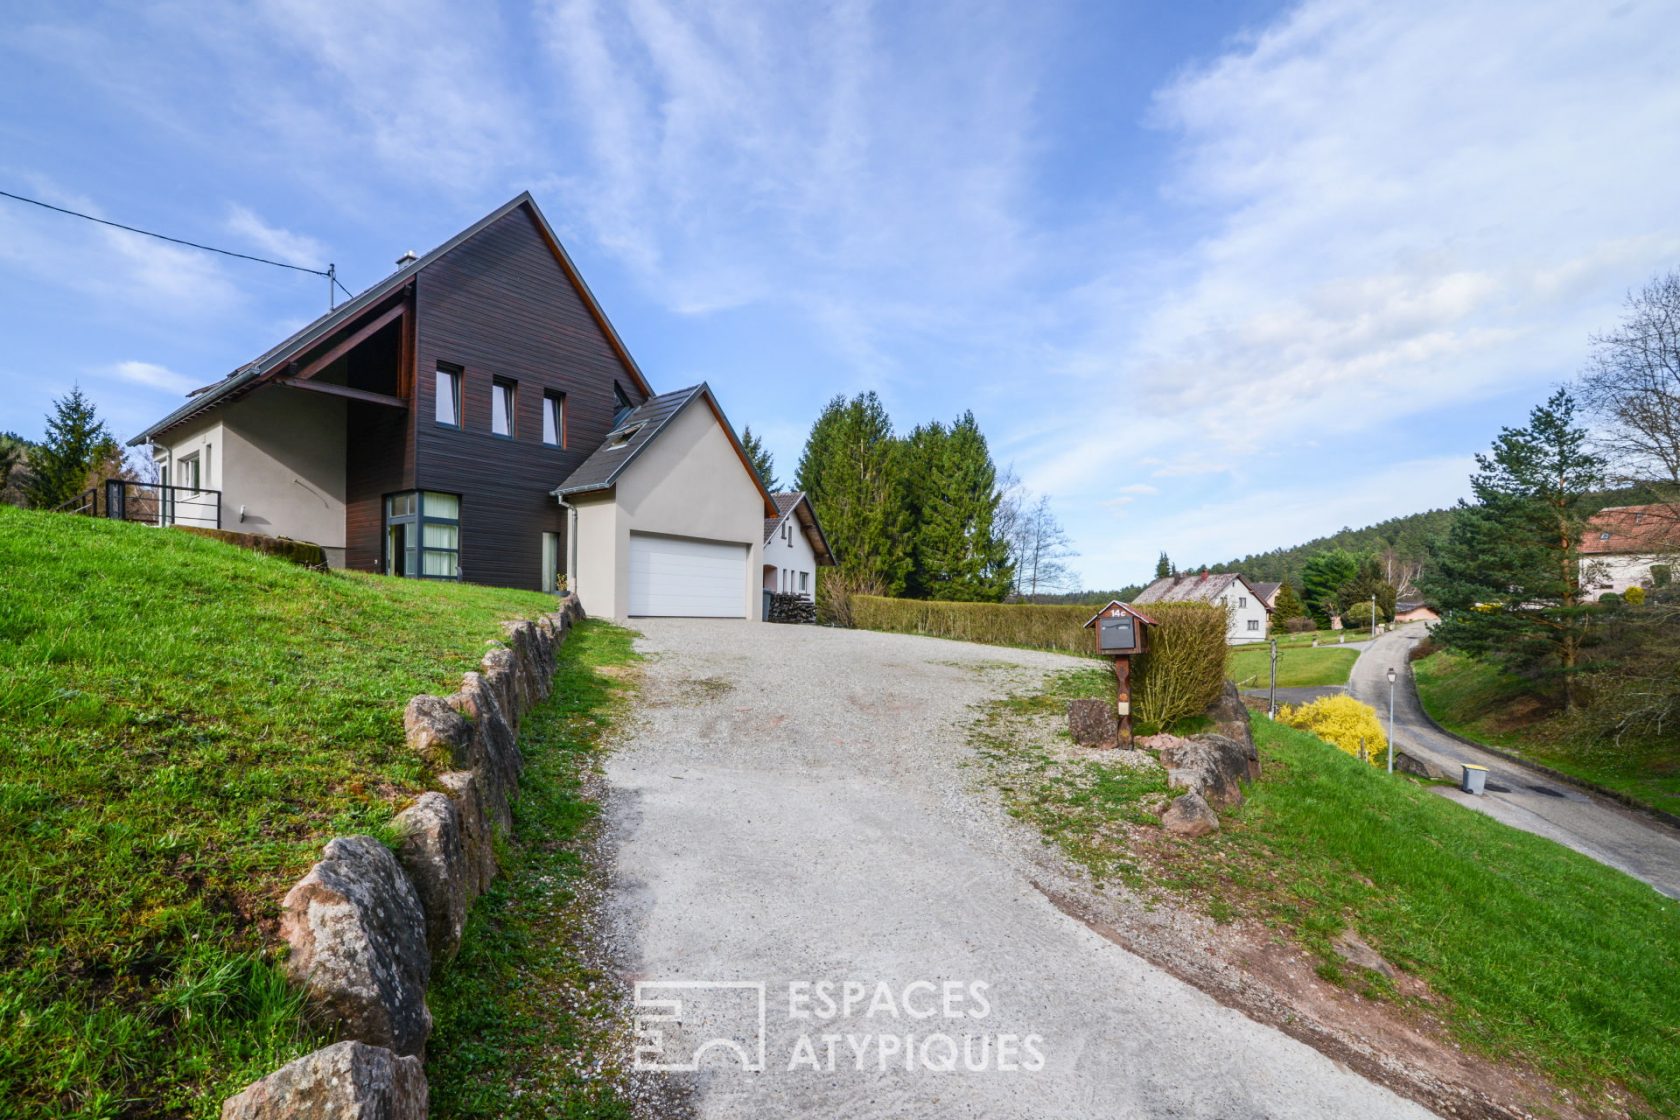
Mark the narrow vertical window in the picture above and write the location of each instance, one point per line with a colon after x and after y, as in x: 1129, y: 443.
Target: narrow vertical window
x: 448, y: 410
x: 551, y: 561
x: 501, y: 408
x: 554, y: 419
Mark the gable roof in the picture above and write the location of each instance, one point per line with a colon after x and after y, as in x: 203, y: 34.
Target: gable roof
x: 1266, y: 590
x: 796, y: 504
x: 639, y: 428
x: 1198, y: 587
x: 1127, y: 607
x: 276, y: 357
x: 1622, y: 529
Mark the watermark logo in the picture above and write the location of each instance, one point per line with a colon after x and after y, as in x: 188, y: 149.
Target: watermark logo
x: 685, y: 1025
x: 681, y: 1024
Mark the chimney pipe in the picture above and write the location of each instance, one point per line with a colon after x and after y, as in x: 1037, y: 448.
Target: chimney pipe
x: 407, y: 258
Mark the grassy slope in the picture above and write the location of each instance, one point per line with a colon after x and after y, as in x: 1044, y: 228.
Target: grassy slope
x: 1298, y: 667
x: 181, y: 724
x: 1481, y: 703
x: 1508, y: 929
x: 521, y: 1015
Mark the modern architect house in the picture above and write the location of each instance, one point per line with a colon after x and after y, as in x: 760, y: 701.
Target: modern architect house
x: 475, y: 416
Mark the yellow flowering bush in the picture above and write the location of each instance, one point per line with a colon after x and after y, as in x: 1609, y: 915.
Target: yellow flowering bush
x: 1343, y: 721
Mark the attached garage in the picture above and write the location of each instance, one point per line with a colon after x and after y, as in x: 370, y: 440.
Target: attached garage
x: 687, y: 578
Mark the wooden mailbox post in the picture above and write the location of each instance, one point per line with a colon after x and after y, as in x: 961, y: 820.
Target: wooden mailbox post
x: 1121, y: 633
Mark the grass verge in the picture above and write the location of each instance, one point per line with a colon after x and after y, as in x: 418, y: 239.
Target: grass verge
x: 523, y: 1016
x: 1483, y: 704
x: 1298, y: 666
x: 182, y: 724
x: 1507, y: 929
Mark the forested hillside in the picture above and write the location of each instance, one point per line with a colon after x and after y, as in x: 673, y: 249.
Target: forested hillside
x: 1403, y: 540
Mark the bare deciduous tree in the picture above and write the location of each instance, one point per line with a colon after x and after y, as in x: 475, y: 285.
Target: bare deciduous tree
x: 1040, y: 545
x: 1632, y: 385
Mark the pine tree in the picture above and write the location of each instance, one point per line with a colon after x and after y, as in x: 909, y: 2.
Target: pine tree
x: 761, y: 459
x: 851, y: 470
x: 1163, y: 567
x: 1322, y: 578
x: 77, y: 441
x: 1287, y: 607
x: 1508, y: 575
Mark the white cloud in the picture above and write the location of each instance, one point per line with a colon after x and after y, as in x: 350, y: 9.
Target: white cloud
x: 278, y: 244
x: 153, y: 376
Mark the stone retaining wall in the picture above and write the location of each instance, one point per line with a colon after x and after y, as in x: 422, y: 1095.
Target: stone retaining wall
x: 368, y: 928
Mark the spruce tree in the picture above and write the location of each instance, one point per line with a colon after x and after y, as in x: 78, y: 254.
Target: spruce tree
x: 1163, y: 567
x: 1322, y: 579
x: 851, y: 470
x: 1287, y: 607
x: 1508, y: 575
x: 77, y: 441
x: 952, y: 500
x: 760, y: 458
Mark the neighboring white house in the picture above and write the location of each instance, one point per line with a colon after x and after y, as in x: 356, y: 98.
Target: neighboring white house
x: 1244, y: 606
x: 794, y: 546
x: 1623, y: 544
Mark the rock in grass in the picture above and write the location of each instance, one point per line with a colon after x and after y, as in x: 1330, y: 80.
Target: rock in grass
x: 1231, y: 718
x: 432, y: 852
x: 358, y: 945
x: 1353, y: 949
x: 343, y: 1081
x: 1418, y: 767
x: 1190, y: 816
x: 437, y: 732
x: 495, y: 751
x: 1209, y: 765
x: 477, y: 837
x: 1093, y: 723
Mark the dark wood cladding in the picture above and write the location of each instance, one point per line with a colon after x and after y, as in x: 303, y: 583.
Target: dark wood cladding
x: 499, y: 306
x: 378, y: 456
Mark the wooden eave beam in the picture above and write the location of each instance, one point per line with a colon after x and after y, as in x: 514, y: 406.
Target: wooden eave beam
x: 341, y: 391
x: 350, y: 342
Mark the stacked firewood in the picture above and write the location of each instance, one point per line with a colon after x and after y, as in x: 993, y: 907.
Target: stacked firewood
x: 787, y: 607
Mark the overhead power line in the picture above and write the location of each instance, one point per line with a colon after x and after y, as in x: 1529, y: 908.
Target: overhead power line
x: 330, y: 272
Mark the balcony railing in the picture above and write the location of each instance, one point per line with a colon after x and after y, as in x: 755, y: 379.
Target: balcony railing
x: 149, y: 503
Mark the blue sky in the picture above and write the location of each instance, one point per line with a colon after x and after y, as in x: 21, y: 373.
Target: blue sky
x: 1215, y: 277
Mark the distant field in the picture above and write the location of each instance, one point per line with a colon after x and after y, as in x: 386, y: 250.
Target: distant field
x: 1298, y: 667
x: 182, y: 724
x: 1481, y: 703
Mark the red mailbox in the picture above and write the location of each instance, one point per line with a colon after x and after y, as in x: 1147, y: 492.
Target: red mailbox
x: 1121, y: 633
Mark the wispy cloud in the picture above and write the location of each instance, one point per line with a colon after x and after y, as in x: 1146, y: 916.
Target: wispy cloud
x: 280, y: 244
x: 152, y: 376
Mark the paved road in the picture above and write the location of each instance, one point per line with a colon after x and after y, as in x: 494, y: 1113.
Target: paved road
x: 791, y: 804
x: 1528, y: 799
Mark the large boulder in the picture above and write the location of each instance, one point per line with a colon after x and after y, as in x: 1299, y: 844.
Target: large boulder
x: 1209, y: 765
x: 465, y: 789
x: 1093, y: 723
x: 1418, y: 767
x: 345, y: 1081
x: 1230, y: 718
x: 501, y: 671
x: 358, y: 945
x: 437, y: 732
x: 1190, y: 815
x: 432, y: 852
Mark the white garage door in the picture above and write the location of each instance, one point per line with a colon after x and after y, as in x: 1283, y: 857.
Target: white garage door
x: 688, y: 578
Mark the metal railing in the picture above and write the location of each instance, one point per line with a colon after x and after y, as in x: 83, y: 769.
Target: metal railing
x: 149, y: 503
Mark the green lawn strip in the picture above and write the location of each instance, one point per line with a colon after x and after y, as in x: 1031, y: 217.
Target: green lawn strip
x: 182, y: 725
x: 1532, y: 951
x: 1483, y: 704
x: 522, y: 1019
x: 1298, y: 667
x: 1322, y: 637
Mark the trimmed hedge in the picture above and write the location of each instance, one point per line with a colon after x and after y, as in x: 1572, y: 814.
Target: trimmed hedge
x: 1181, y: 675
x: 1052, y: 626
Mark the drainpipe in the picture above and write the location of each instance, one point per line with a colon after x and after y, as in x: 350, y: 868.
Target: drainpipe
x: 571, y: 544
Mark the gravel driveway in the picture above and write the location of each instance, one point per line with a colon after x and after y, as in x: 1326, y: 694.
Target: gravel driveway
x: 1527, y: 799
x: 791, y: 805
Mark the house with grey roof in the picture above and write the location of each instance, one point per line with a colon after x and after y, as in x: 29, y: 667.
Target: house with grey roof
x: 475, y: 416
x: 1245, y: 608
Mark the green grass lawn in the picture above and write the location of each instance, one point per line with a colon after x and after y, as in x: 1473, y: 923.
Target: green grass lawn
x: 1298, y: 667
x: 1323, y: 637
x: 1482, y: 703
x: 182, y: 724
x: 522, y: 1015
x: 1508, y: 930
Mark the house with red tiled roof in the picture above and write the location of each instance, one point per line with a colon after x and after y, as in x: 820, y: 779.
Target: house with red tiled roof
x: 1630, y: 546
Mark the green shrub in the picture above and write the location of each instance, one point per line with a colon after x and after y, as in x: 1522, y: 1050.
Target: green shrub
x: 1183, y: 670
x: 1610, y: 597
x: 1660, y: 575
x: 1634, y: 596
x: 1051, y: 626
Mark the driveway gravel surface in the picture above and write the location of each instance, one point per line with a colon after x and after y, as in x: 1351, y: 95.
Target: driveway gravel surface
x: 793, y: 804
x: 1521, y: 797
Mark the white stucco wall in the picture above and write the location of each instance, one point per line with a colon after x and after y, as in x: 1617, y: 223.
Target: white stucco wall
x: 278, y: 456
x: 1618, y: 573
x: 790, y: 558
x: 688, y: 482
x: 1243, y: 607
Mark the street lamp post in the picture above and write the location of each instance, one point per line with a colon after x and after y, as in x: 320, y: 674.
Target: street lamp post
x: 1391, y: 677
x: 1373, y: 616
x: 1271, y: 704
